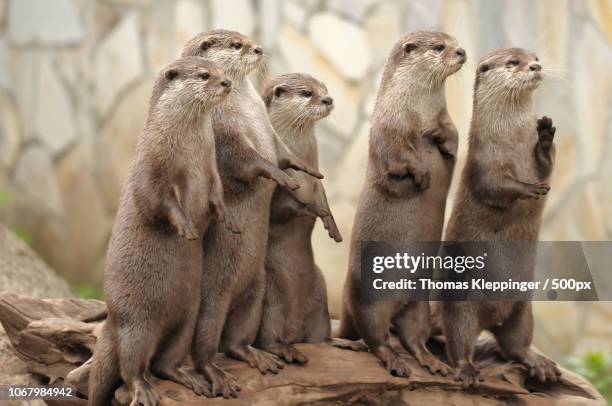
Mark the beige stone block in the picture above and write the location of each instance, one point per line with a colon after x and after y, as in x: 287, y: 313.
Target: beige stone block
x: 10, y: 134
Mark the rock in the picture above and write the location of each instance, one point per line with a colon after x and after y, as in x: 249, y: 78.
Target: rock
x: 23, y: 272
x: 10, y: 134
x: 302, y: 56
x: 189, y: 21
x: 238, y: 16
x: 34, y: 22
x: 87, y: 225
x: 354, y: 10
x: 341, y: 41
x: 35, y: 178
x: 269, y: 22
x: 383, y: 30
x: 118, y: 61
x: 52, y: 335
x: 54, y: 116
x: 117, y: 143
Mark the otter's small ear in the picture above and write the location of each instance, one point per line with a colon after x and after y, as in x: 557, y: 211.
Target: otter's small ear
x: 483, y: 68
x: 204, y: 46
x: 279, y: 90
x: 409, y: 47
x: 171, y: 74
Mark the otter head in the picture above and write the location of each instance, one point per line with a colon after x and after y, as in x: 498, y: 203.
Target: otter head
x: 507, y: 73
x: 297, y: 99
x: 189, y: 84
x: 235, y: 52
x: 425, y: 57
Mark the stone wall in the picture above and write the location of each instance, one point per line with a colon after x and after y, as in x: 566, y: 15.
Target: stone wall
x: 75, y: 77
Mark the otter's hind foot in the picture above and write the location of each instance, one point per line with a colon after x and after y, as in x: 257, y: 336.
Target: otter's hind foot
x: 343, y: 343
x: 468, y: 375
x: 428, y: 361
x: 393, y: 361
x: 261, y: 360
x: 144, y: 395
x: 221, y: 383
x: 541, y: 367
x: 287, y: 353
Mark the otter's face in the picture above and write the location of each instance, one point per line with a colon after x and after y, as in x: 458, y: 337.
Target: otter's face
x: 233, y: 51
x: 193, y: 80
x: 298, y: 98
x: 512, y: 69
x: 430, y: 56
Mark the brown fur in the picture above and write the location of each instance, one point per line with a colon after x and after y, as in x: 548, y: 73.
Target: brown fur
x: 295, y: 303
x: 501, y: 197
x: 412, y: 152
x: 248, y: 149
x: 154, y: 266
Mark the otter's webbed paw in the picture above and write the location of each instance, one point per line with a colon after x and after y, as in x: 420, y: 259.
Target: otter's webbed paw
x: 221, y: 383
x: 535, y: 190
x: 287, y: 353
x: 546, y: 132
x: 343, y: 343
x: 187, y: 230
x: 468, y: 375
x: 261, y: 360
x: 543, y: 368
x: 332, y: 229
x: 394, y: 362
x: 144, y: 395
x: 444, y: 140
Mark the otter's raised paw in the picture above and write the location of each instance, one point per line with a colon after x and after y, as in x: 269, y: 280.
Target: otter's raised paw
x: 421, y: 179
x: 221, y: 383
x: 144, y: 395
x: 543, y: 368
x: 187, y: 231
x: 393, y: 361
x: 353, y: 345
x: 288, y: 353
x: 332, y: 229
x: 468, y: 375
x: 546, y: 131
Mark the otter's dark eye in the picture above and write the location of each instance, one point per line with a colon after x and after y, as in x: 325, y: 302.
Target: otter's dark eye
x: 205, y: 76
x: 306, y: 93
x: 514, y: 62
x: 236, y: 45
x: 439, y: 48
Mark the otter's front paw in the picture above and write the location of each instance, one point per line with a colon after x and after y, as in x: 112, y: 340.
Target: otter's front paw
x: 535, y: 190
x: 332, y: 229
x: 421, y: 178
x: 443, y: 139
x: 229, y: 221
x: 468, y: 375
x: 546, y: 131
x: 144, y: 395
x: 287, y: 353
x: 187, y: 230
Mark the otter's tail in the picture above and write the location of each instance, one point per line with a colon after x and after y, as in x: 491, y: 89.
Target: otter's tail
x: 104, y: 376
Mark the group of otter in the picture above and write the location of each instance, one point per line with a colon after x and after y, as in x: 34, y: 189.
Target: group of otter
x: 211, y: 252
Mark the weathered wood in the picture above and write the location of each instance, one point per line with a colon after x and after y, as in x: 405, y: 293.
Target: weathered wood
x: 56, y: 337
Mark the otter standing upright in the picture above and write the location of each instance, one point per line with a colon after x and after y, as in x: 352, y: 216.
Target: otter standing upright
x: 412, y: 152
x: 501, y: 198
x: 154, y: 266
x: 295, y: 304
x: 248, y: 149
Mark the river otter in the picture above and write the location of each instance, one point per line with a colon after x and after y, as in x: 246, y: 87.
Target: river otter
x: 413, y: 145
x: 233, y: 283
x: 501, y: 198
x: 295, y: 303
x: 154, y: 264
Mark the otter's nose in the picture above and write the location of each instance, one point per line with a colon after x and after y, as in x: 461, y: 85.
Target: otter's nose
x: 258, y: 50
x: 327, y: 101
x: 536, y: 67
x: 460, y: 52
x: 226, y: 83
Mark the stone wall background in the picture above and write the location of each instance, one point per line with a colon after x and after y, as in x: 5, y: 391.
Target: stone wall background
x: 75, y: 78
